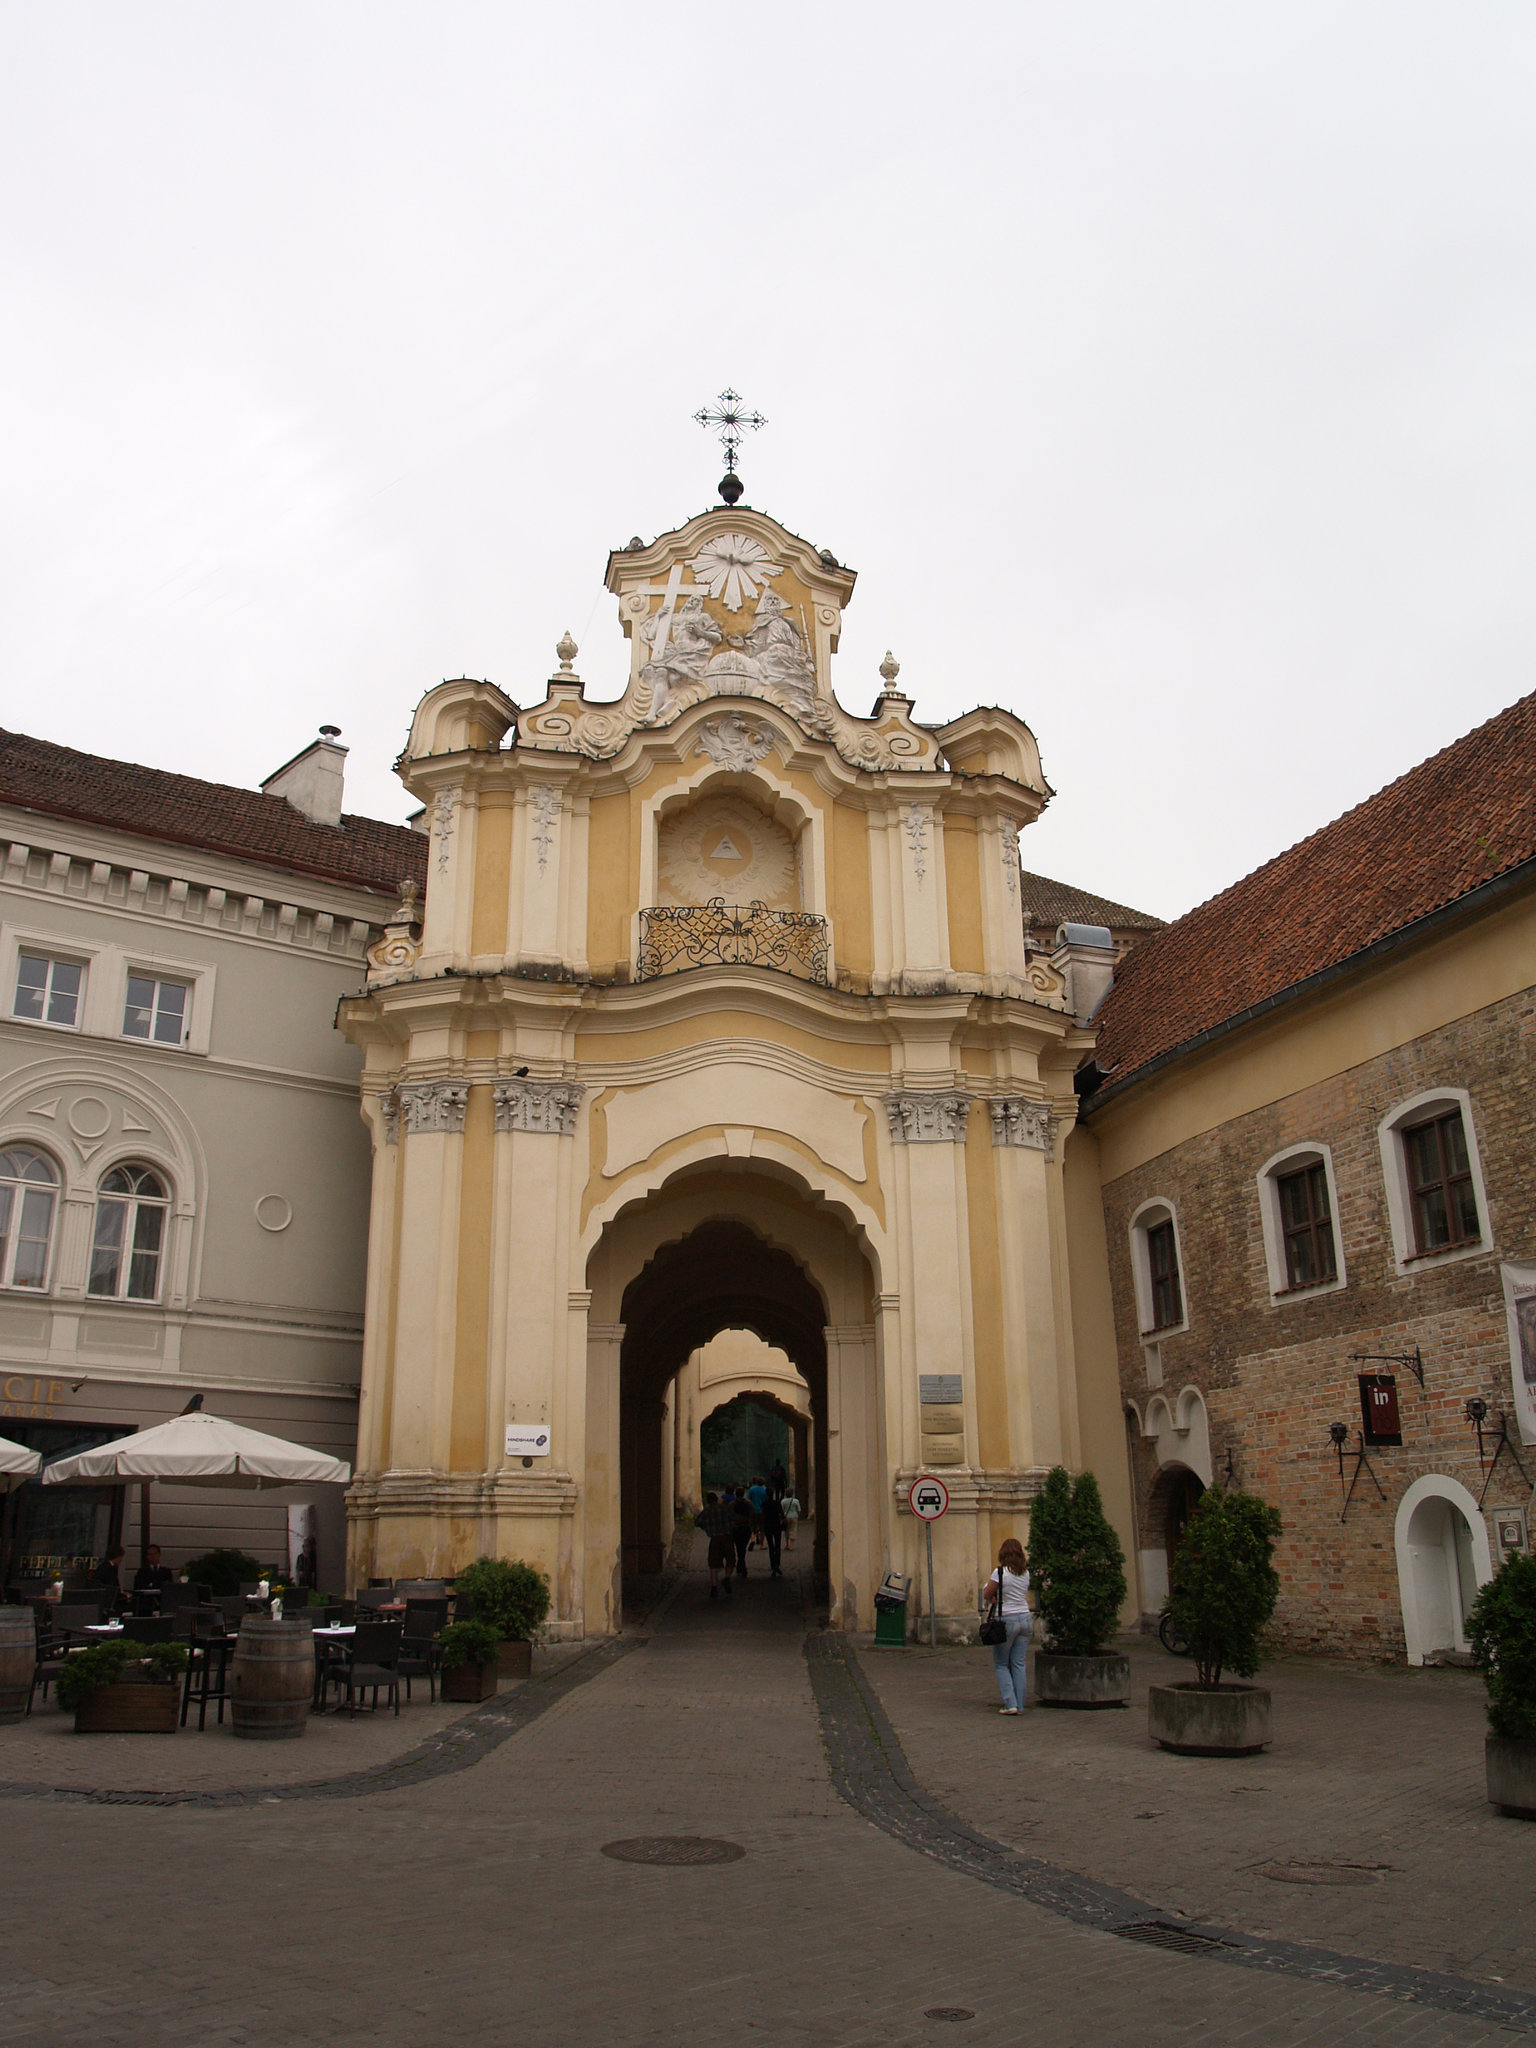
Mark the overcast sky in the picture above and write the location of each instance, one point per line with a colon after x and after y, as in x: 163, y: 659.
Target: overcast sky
x: 1165, y: 372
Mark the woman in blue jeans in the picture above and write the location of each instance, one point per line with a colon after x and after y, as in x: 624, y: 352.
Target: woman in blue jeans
x: 1008, y: 1590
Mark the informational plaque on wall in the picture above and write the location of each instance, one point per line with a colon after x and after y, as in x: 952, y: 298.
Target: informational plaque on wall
x: 938, y: 1389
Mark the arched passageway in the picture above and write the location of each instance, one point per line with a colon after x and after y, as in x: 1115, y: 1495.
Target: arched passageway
x: 745, y: 1436
x: 720, y: 1276
x: 729, y: 1248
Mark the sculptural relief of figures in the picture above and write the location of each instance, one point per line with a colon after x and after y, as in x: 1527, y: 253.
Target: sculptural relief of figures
x: 683, y: 654
x: 778, y: 653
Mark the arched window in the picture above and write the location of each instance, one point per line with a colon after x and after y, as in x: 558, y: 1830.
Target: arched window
x: 29, y: 1192
x: 131, y: 1208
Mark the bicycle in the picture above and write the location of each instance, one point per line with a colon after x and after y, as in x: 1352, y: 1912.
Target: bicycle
x: 1173, y: 1639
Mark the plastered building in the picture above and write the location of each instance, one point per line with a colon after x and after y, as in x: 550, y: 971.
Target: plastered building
x: 720, y: 1014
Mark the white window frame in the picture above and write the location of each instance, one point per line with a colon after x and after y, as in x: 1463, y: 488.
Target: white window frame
x: 143, y: 1163
x: 1418, y: 1109
x: 52, y: 947
x: 197, y: 979
x: 1146, y: 1216
x: 157, y: 981
x: 1270, y: 1174
x: 24, y: 1141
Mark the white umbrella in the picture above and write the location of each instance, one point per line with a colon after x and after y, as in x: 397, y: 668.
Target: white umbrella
x: 17, y: 1463
x: 201, y: 1450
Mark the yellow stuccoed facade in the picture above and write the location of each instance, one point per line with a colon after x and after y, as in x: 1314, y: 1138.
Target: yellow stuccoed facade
x: 718, y: 1014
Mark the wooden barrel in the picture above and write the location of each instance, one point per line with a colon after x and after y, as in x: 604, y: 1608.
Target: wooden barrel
x: 18, y: 1655
x: 271, y: 1678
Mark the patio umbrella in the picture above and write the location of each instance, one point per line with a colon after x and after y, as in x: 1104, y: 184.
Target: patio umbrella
x: 16, y: 1463
x: 201, y: 1450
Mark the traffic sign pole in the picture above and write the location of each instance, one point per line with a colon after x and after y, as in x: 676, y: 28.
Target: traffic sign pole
x: 928, y: 1498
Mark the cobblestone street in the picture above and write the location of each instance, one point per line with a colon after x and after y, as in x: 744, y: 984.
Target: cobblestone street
x: 476, y: 1904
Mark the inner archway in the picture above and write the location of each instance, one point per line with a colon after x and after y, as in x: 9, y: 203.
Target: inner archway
x: 733, y: 1245
x: 720, y: 1276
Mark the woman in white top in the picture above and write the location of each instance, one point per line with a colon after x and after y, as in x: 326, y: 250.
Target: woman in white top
x: 1008, y: 1591
x: 789, y: 1508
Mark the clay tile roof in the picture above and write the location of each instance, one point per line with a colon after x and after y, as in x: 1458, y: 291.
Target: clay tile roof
x: 181, y: 811
x: 1458, y: 820
x: 1048, y: 904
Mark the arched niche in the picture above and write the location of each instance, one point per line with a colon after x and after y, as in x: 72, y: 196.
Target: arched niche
x: 1442, y: 1558
x: 722, y: 843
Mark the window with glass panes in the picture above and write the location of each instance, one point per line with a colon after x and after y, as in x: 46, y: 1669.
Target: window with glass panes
x: 156, y: 1010
x: 1440, y: 1183
x: 29, y: 1187
x: 131, y: 1210
x: 1163, y: 1272
x: 1306, y: 1223
x: 47, y: 990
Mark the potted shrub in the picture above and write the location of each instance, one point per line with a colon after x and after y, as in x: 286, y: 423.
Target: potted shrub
x: 469, y: 1660
x: 120, y: 1688
x: 223, y: 1571
x: 1502, y: 1631
x: 1077, y: 1572
x: 1224, y: 1592
x: 513, y: 1598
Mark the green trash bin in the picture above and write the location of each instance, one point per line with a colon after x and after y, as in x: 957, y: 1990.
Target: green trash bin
x: 891, y: 1612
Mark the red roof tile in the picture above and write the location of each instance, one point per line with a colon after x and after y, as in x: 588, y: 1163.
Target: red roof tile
x: 1048, y: 904
x: 181, y: 811
x: 1461, y: 818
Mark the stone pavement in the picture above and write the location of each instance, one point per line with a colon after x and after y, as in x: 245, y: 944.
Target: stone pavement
x: 478, y: 1907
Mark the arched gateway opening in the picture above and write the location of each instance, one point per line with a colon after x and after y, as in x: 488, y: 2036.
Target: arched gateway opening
x: 723, y: 1248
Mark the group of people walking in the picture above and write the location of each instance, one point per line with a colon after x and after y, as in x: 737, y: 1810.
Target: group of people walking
x: 762, y: 1516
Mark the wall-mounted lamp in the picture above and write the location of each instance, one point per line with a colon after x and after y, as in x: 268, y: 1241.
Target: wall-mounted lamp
x: 1338, y: 1436
x: 1477, y: 1415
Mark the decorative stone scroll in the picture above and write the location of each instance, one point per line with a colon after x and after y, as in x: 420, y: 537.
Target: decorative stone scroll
x: 389, y: 1114
x: 927, y: 1119
x: 546, y: 814
x: 546, y: 1106
x: 400, y: 948
x: 433, y: 1105
x: 734, y: 742
x: 1017, y: 1122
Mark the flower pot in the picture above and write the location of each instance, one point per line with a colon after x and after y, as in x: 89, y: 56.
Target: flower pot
x: 470, y: 1683
x: 1511, y: 1769
x: 129, y: 1710
x: 1231, y: 1721
x: 514, y: 1660
x: 1063, y: 1681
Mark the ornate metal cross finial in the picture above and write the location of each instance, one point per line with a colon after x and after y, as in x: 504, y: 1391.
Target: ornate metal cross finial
x: 733, y: 421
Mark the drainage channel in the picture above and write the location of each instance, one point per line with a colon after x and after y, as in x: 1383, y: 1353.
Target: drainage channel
x: 870, y: 1771
x: 457, y: 1748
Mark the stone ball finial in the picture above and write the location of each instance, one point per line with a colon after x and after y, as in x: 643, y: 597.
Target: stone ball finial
x: 890, y: 668
x: 567, y: 650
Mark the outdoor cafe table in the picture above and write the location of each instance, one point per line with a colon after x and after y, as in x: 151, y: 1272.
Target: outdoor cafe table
x: 323, y: 1636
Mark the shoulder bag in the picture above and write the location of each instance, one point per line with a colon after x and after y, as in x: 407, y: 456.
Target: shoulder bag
x: 994, y: 1629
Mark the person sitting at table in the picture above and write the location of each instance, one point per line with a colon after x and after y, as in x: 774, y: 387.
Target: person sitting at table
x: 151, y: 1575
x: 106, y: 1576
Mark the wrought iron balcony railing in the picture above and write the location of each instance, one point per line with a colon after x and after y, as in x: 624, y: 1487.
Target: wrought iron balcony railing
x: 721, y: 934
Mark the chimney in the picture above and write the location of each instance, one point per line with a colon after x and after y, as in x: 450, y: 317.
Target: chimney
x: 1085, y: 954
x: 311, y: 781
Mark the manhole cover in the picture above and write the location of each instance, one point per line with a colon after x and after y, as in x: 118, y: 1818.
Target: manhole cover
x: 674, y: 1849
x: 1319, y: 1873
x: 1163, y: 1934
x: 948, y: 2012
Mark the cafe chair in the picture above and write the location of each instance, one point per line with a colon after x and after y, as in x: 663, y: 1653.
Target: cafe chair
x: 419, y: 1655
x: 149, y: 1628
x: 207, y: 1673
x: 52, y: 1651
x: 372, y: 1657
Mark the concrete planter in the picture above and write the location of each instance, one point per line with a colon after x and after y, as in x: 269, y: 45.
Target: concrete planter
x: 1511, y: 1768
x: 1232, y: 1721
x: 1063, y: 1681
x: 129, y: 1710
x: 468, y: 1684
x: 514, y: 1660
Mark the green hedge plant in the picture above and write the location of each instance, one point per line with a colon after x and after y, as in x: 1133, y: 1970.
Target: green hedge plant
x: 1502, y: 1631
x: 511, y: 1596
x: 468, y: 1642
x: 118, y: 1663
x: 1225, y: 1584
x: 1077, y: 1567
x: 223, y: 1571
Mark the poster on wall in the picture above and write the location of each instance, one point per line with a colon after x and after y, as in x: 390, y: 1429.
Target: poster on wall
x: 1520, y: 1300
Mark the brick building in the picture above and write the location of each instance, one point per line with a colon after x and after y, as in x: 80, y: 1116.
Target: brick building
x: 1312, y: 1107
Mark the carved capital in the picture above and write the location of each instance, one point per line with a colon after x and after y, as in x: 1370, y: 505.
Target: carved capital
x: 547, y: 1106
x: 1018, y: 1122
x: 433, y: 1105
x: 927, y: 1119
